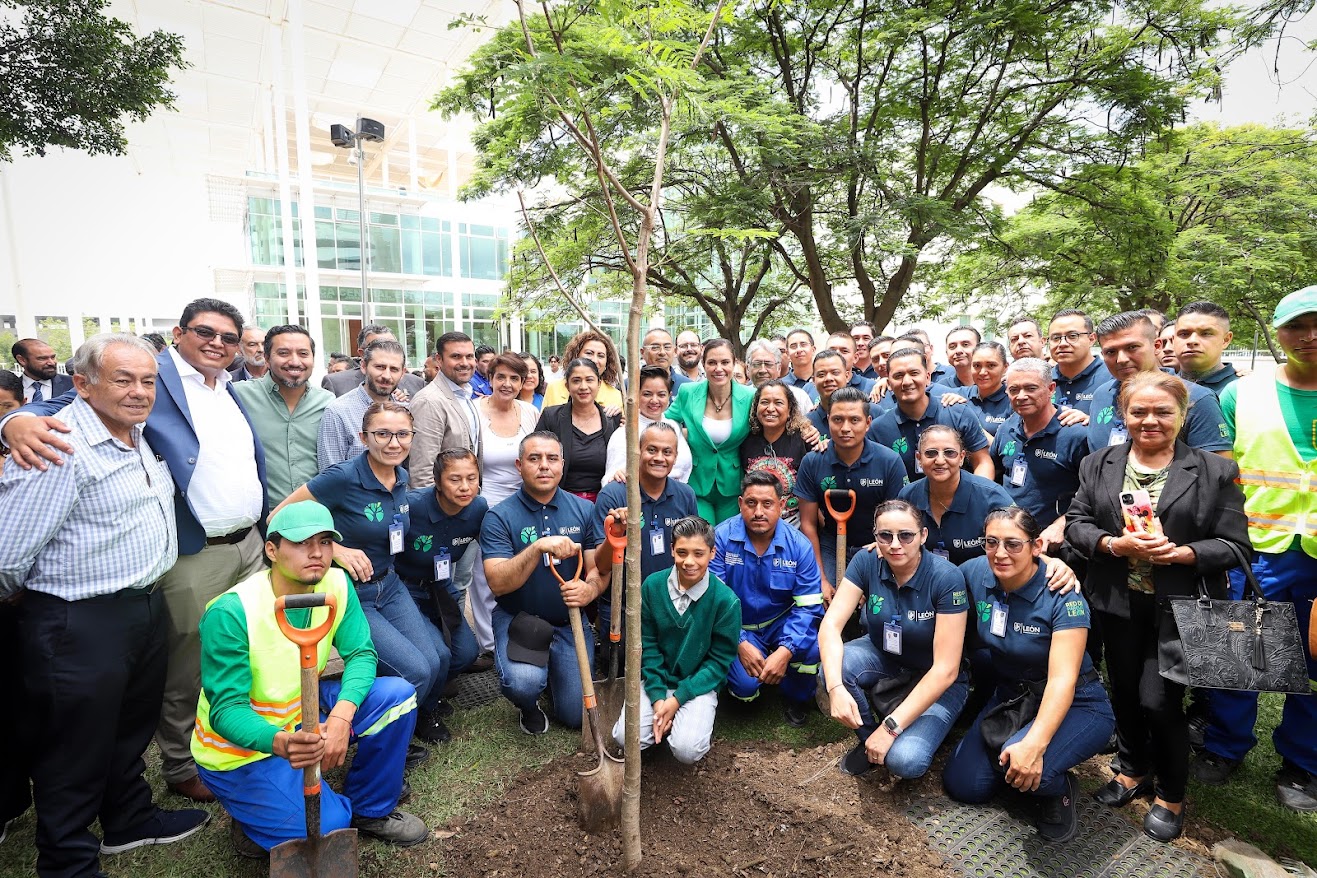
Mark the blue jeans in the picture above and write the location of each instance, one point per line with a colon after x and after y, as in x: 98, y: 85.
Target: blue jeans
x: 265, y: 797
x: 1287, y: 576
x: 463, y: 649
x: 522, y: 683
x: 974, y: 775
x: 910, y: 755
x: 802, y: 674
x: 407, y: 645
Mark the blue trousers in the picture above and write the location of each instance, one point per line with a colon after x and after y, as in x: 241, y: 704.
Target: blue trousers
x: 1287, y: 576
x: 802, y: 673
x: 406, y: 644
x: 864, y: 664
x: 523, y: 683
x: 974, y: 775
x: 265, y: 798
x: 456, y: 657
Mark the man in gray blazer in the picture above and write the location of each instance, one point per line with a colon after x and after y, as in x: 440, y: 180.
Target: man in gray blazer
x: 444, y: 411
x: 339, y: 383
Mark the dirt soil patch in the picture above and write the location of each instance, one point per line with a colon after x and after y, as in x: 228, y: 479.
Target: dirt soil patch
x: 745, y: 810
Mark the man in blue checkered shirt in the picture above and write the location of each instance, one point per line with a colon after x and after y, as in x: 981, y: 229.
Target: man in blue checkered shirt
x: 86, y: 543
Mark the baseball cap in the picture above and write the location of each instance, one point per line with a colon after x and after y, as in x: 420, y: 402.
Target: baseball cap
x: 301, y: 521
x: 529, y: 638
x: 1296, y: 304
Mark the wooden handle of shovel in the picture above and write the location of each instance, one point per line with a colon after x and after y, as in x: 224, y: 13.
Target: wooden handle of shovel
x: 308, y: 642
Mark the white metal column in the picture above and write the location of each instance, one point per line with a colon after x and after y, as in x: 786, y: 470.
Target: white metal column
x: 305, y: 185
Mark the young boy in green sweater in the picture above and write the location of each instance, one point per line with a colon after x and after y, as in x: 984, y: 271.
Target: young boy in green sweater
x: 689, y: 631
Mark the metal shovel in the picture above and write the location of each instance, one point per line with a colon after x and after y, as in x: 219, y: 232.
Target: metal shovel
x: 599, y: 801
x: 316, y: 856
x: 611, y: 691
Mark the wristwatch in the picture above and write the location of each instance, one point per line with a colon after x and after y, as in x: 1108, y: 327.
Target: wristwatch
x: 893, y: 727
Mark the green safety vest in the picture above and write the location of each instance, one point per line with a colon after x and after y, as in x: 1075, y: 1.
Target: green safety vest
x: 276, y: 693
x: 1280, y: 490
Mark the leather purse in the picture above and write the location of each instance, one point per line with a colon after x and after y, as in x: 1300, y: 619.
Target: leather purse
x: 1253, y: 645
x: 887, y: 694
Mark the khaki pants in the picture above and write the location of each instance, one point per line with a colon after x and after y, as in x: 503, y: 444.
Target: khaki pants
x: 188, y: 587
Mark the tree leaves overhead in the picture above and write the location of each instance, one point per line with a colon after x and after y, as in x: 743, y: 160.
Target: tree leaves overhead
x: 69, y: 75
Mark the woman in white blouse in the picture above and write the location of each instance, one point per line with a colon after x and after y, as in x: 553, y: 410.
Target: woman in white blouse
x: 655, y: 391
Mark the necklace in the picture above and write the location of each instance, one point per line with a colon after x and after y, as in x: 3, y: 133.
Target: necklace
x: 719, y: 406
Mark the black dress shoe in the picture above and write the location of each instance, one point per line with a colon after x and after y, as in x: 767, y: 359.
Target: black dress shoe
x: 1163, y: 824
x: 416, y: 755
x: 431, y: 729
x: 856, y: 763
x: 1115, y: 794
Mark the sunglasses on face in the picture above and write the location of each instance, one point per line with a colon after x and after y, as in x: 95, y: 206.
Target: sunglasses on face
x: 886, y: 537
x: 1013, y: 546
x: 935, y: 453
x: 205, y: 333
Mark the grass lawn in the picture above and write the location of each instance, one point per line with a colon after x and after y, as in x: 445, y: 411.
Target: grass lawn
x: 488, y: 750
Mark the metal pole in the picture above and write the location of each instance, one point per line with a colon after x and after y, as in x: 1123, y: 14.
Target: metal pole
x: 361, y: 215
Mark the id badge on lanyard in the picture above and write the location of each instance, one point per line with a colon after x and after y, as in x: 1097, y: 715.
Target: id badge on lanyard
x: 443, y: 566
x: 1120, y: 434
x: 998, y: 620
x: 1019, y: 470
x: 892, y: 637
x: 657, y: 543
x: 395, y: 535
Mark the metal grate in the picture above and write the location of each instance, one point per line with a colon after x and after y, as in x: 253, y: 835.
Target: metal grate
x: 476, y: 690
x: 989, y: 842
x: 227, y: 199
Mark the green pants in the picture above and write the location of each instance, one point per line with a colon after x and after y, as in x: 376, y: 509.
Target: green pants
x: 715, y: 508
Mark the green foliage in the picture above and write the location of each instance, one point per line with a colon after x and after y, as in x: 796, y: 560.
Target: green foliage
x: 1205, y: 212
x: 72, y: 74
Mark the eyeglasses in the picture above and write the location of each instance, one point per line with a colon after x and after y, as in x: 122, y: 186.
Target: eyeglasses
x: 886, y: 537
x: 656, y: 346
x: 384, y: 437
x: 762, y: 364
x: 1071, y: 337
x: 205, y: 333
x: 935, y: 453
x: 1013, y: 545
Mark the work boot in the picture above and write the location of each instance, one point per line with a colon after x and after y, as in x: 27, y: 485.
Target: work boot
x: 1211, y: 769
x: 431, y: 729
x: 1296, y: 788
x: 243, y: 846
x: 1060, y: 818
x: 398, y: 828
x: 417, y: 754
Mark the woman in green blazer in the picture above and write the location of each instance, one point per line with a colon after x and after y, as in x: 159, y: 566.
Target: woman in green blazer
x: 715, y: 414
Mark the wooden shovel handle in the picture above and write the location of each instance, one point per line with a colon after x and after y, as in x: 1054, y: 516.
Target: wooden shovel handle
x: 582, y: 658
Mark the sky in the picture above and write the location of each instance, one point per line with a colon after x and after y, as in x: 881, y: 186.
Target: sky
x: 1266, y: 83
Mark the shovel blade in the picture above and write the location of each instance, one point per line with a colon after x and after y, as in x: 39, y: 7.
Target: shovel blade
x: 599, y: 803
x: 329, y: 856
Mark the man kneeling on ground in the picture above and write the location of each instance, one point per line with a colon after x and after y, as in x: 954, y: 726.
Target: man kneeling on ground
x: 690, y: 624
x: 250, y: 704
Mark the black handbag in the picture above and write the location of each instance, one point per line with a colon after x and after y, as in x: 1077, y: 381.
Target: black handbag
x: 1252, y: 644
x: 887, y: 694
x: 1013, y: 713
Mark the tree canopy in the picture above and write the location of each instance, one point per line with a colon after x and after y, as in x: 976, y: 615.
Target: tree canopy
x: 69, y: 75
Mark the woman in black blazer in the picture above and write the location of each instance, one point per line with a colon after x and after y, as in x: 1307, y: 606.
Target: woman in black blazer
x: 584, y: 429
x: 1131, y: 573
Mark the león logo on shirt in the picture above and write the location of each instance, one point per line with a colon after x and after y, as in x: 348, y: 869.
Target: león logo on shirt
x: 528, y: 535
x: 423, y: 543
x: 374, y: 512
x: 985, y: 610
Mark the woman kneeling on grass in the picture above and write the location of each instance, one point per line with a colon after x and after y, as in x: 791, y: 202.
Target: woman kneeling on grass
x: 690, y: 627
x: 901, y: 687
x: 1049, y: 711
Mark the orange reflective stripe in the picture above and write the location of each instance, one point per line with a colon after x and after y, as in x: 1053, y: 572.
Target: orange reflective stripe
x: 215, y: 742
x: 1270, y: 479
x: 277, y: 708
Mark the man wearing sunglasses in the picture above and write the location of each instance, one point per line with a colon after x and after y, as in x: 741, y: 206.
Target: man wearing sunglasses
x: 383, y: 363
x: 200, y: 429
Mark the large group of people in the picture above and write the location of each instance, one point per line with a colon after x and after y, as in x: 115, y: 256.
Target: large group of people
x: 910, y: 545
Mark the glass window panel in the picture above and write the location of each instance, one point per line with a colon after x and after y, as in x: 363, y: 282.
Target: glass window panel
x: 384, y: 219
x: 332, y: 328
x: 435, y: 254
x: 430, y: 224
x: 483, y: 231
x: 325, y: 246
x: 479, y: 259
x: 324, y: 212
x: 410, y: 221
x: 348, y: 251
x: 385, y: 249
x: 380, y: 297
x: 348, y: 216
x: 349, y: 294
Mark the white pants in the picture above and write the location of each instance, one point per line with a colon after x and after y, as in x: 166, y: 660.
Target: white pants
x: 691, y: 732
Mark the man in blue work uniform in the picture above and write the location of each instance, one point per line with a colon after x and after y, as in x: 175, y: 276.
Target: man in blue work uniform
x: 1128, y: 342
x: 663, y: 502
x: 443, y: 522
x: 917, y: 408
x: 850, y: 462
x: 1077, y: 372
x: 831, y: 376
x: 539, y: 526
x: 771, y: 568
x: 1037, y: 456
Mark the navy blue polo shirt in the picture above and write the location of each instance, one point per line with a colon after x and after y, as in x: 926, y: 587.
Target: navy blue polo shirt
x: 1077, y: 392
x: 1051, y: 459
x: 1032, y: 614
x: 434, y: 532
x: 1217, y: 380
x: 860, y: 383
x: 992, y: 411
x: 805, y: 384
x: 901, y: 434
x: 520, y: 520
x: 876, y: 477
x: 888, y: 402
x: 936, y: 587
x: 867, y: 372
x: 363, y: 509
x: 960, y: 535
x: 675, y: 503
x: 819, y: 418
x: 942, y: 374
x: 1204, y: 427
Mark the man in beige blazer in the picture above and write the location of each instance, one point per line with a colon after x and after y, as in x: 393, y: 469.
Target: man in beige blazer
x: 444, y: 411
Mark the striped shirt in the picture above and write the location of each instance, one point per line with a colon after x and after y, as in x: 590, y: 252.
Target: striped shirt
x: 340, y: 429
x: 102, y: 522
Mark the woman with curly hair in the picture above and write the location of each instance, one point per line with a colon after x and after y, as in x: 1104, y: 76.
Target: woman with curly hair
x: 779, y: 439
x: 596, y: 346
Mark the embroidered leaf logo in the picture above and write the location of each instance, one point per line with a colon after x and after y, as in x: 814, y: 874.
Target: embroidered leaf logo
x: 529, y: 535
x: 1105, y: 416
x: 374, y: 512
x: 875, y: 604
x: 828, y: 483
x: 1008, y: 450
x: 985, y: 610
x: 423, y: 543
x: 900, y: 446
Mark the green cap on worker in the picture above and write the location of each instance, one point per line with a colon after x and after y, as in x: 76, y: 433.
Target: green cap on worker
x: 301, y: 521
x: 1296, y: 304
